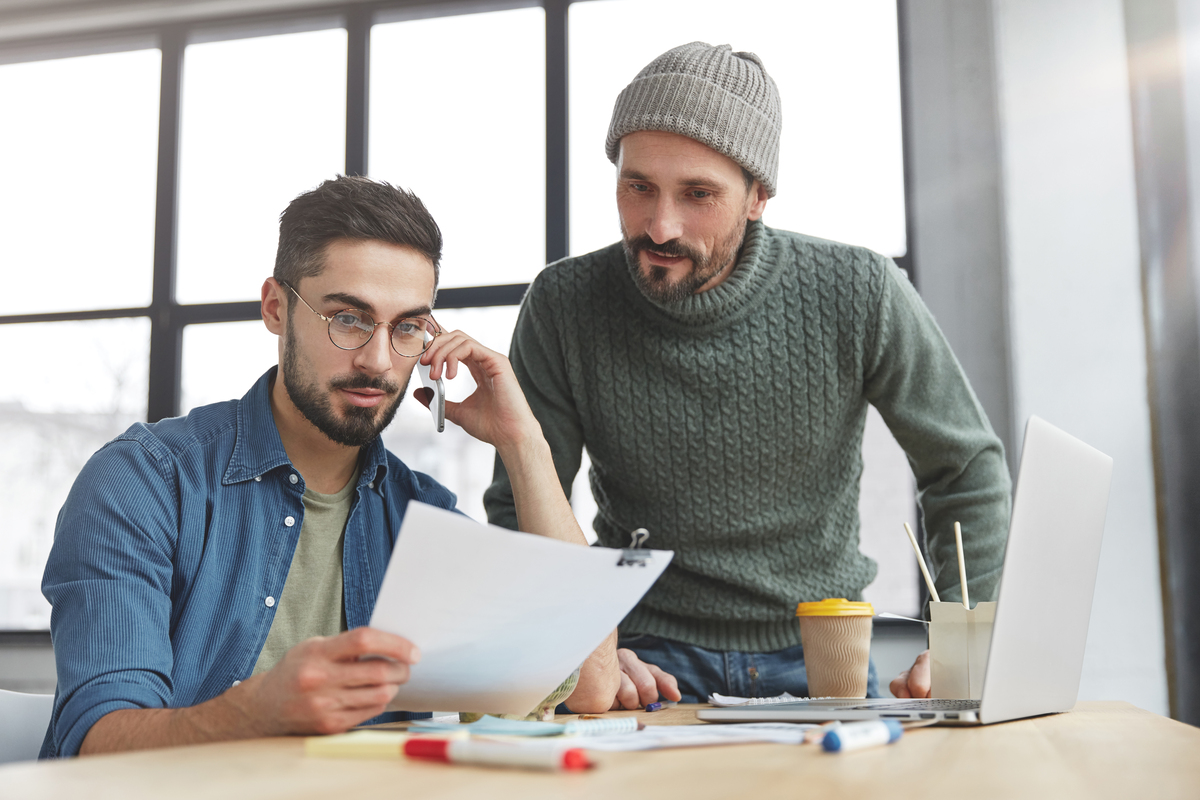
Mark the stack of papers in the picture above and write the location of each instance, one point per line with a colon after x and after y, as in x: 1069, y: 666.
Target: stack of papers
x: 591, y: 734
x: 390, y: 744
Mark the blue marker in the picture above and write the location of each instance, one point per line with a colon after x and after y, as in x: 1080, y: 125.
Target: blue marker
x: 654, y: 706
x: 856, y: 735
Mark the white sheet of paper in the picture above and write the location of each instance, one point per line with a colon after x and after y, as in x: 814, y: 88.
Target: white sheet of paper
x: 656, y: 737
x: 522, y: 614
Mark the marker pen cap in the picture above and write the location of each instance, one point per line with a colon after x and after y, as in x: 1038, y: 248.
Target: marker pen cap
x: 427, y: 748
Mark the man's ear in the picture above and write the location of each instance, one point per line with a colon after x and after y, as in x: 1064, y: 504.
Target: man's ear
x: 757, y: 201
x: 274, y: 306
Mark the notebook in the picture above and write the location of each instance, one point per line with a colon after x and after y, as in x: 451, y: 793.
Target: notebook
x: 1043, y: 605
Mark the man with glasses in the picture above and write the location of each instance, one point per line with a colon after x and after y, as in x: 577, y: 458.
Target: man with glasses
x: 719, y: 371
x: 212, y: 575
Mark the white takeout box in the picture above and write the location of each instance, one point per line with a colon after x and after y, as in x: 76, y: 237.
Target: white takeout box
x: 958, y: 649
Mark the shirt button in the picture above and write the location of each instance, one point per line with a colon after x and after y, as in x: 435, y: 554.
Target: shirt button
x: 258, y: 478
x: 294, y: 478
x: 236, y: 683
x: 270, y: 602
x: 371, y: 484
x: 289, y: 521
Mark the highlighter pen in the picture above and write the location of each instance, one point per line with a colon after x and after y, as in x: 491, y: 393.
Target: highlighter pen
x: 496, y: 754
x: 857, y: 735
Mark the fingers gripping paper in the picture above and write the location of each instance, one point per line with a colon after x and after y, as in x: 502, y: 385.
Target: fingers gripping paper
x: 524, y: 612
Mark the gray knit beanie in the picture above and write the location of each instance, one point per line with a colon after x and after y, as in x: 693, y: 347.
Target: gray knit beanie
x: 720, y: 98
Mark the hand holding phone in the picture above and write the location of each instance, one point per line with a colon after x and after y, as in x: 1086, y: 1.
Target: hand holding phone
x: 437, y: 403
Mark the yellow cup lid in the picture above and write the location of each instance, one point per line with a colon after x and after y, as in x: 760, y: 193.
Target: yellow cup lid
x: 835, y: 607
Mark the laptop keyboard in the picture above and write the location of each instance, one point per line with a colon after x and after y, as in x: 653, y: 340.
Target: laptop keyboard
x: 930, y: 705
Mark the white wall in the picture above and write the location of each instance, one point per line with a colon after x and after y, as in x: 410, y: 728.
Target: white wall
x: 1075, y: 300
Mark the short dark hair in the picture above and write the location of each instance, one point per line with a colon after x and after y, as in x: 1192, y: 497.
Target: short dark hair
x: 351, y: 207
x: 748, y: 178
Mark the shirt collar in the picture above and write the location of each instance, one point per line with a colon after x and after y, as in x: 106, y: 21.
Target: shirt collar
x: 258, y: 448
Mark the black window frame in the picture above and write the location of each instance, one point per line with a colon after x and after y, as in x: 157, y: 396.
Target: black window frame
x: 167, y: 316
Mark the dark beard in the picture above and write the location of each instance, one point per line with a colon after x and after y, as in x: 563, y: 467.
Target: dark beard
x: 656, y: 283
x: 358, y: 426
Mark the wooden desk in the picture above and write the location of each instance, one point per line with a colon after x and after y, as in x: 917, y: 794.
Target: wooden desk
x: 1100, y: 750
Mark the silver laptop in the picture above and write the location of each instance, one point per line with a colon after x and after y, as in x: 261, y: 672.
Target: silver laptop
x: 1042, y: 609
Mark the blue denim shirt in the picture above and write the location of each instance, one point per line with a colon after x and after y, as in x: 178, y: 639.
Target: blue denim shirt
x: 170, y: 546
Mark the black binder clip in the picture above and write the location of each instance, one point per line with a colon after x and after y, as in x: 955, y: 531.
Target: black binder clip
x: 634, y: 556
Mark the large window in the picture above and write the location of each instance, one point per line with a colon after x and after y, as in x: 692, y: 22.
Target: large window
x: 69, y: 388
x: 143, y: 190
x: 264, y: 119
x: 77, y: 156
x: 837, y: 68
x: 76, y: 234
x: 458, y: 115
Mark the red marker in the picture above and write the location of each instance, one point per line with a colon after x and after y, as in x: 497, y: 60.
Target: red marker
x: 496, y: 754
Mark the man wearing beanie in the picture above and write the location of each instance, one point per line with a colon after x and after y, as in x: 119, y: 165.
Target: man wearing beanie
x: 718, y: 372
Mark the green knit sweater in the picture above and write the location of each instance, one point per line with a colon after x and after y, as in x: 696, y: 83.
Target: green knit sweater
x: 730, y: 426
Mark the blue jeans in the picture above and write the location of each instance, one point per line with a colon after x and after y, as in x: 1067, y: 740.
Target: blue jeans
x: 700, y: 671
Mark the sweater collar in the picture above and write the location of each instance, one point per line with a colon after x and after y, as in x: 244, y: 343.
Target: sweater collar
x: 732, y: 297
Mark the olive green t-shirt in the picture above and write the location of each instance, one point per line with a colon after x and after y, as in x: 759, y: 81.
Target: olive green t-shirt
x: 311, y: 602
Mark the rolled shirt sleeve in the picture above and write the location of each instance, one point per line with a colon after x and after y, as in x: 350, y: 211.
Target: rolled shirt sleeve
x: 109, y: 580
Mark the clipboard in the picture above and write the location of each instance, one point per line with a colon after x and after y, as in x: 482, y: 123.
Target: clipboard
x: 500, y: 617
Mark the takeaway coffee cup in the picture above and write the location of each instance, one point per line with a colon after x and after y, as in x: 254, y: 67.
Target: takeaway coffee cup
x: 836, y: 636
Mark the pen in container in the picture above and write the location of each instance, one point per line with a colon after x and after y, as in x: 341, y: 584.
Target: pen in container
x: 497, y: 754
x: 933, y: 592
x: 962, y: 566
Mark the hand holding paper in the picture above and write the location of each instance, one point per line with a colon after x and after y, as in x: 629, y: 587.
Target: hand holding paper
x: 505, y: 635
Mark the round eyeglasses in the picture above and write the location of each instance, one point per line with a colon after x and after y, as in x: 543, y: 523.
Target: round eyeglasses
x: 350, y: 329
